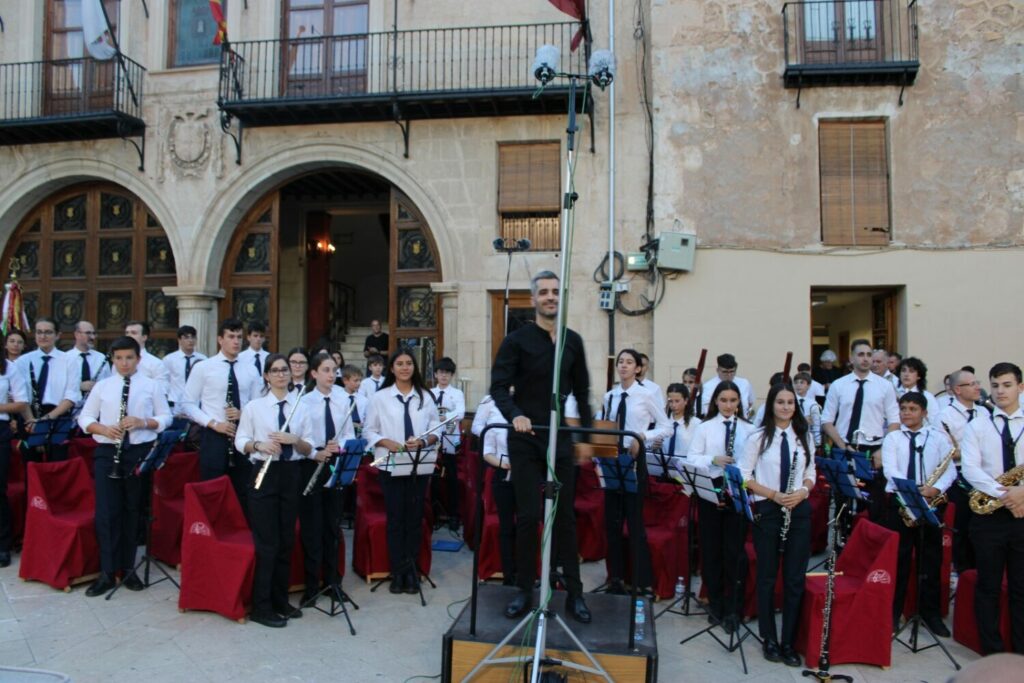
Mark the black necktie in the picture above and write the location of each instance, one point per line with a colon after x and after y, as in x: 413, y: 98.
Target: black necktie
x: 801, y: 405
x: 125, y: 438
x: 256, y: 361
x: 912, y: 461
x: 970, y: 414
x: 44, y: 373
x: 188, y: 367
x: 233, y: 384
x: 376, y: 385
x: 408, y: 418
x: 329, y: 431
x: 672, y: 439
x: 355, y: 410
x: 1009, y: 461
x: 86, y: 375
x: 440, y: 399
x: 784, y: 457
x: 858, y: 405
x: 620, y: 417
x: 286, y: 451
x: 729, y: 426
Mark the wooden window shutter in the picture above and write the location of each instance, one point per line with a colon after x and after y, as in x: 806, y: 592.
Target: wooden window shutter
x: 854, y: 172
x: 528, y: 178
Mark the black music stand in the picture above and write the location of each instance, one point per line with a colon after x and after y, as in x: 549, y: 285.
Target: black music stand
x: 46, y: 434
x: 343, y: 474
x: 914, y: 503
x: 696, y: 480
x: 154, y: 460
x: 841, y: 473
x: 617, y: 475
x: 407, y: 464
x: 733, y: 480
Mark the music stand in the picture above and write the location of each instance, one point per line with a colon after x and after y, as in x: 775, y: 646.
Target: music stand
x: 842, y: 474
x: 343, y: 474
x: 49, y: 433
x: 618, y: 474
x: 914, y: 503
x: 667, y: 468
x: 695, y: 480
x: 408, y: 464
x: 154, y: 460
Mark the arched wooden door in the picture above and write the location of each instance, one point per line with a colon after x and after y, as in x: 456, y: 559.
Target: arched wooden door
x: 249, y: 272
x: 414, y: 314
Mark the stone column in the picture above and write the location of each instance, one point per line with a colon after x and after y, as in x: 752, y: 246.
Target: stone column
x: 449, y: 294
x: 197, y: 306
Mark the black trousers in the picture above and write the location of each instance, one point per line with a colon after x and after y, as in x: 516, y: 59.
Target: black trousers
x: 794, y: 555
x: 929, y: 565
x: 723, y: 569
x: 505, y: 500
x: 320, y: 528
x: 999, y: 546
x: 403, y: 501
x: 214, y: 462
x: 6, y: 520
x: 529, y: 472
x: 451, y: 481
x: 619, y: 505
x: 963, y: 549
x: 273, y: 509
x: 118, y: 506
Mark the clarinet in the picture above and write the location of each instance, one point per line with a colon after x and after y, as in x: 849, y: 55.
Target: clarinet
x: 787, y: 514
x: 228, y: 403
x: 37, y: 406
x: 830, y: 590
x: 115, y: 472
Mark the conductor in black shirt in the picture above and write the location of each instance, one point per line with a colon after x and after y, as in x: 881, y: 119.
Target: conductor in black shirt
x: 526, y: 361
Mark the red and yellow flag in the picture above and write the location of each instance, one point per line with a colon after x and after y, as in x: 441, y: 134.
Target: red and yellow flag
x: 578, y: 10
x: 217, y: 10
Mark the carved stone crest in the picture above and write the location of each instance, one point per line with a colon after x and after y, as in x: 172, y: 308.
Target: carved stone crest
x: 188, y: 142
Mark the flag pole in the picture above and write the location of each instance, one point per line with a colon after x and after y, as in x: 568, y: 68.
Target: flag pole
x: 118, y: 53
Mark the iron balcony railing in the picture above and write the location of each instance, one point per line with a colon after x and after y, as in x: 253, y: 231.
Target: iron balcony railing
x: 69, y: 89
x: 478, y: 59
x: 855, y: 36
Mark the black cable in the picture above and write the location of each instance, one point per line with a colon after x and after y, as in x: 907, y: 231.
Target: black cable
x: 640, y: 34
x: 601, y: 272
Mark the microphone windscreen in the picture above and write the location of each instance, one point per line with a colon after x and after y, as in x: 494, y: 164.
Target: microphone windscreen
x: 525, y: 244
x: 547, y: 58
x: 602, y: 60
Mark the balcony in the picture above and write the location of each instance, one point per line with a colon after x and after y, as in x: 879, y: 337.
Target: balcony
x: 395, y: 76
x: 850, y: 42
x: 70, y: 99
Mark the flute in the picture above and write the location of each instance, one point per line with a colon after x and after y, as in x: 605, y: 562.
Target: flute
x: 320, y: 466
x: 266, y: 463
x: 380, y: 461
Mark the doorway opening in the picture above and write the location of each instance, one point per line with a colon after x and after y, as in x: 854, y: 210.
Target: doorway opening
x: 841, y: 314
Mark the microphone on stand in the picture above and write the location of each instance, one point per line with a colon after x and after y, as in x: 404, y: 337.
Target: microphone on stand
x: 602, y: 68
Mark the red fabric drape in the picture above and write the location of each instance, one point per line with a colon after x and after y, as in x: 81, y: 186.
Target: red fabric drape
x: 578, y: 10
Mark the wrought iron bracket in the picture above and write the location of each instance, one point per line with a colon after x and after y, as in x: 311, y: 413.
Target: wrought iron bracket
x: 590, y: 115
x: 225, y: 125
x: 396, y: 112
x: 799, y: 89
x: 903, y: 87
x: 145, y: 8
x: 125, y: 134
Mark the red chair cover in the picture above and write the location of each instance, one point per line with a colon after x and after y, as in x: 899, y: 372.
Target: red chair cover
x: 297, y: 570
x: 965, y: 623
x: 16, y: 493
x: 820, y: 499
x: 84, y: 448
x: 370, y: 547
x: 217, y: 553
x: 169, y: 505
x: 470, y: 459
x: 862, y: 607
x: 60, y: 532
x: 490, y: 551
x: 910, y: 604
x: 591, y: 537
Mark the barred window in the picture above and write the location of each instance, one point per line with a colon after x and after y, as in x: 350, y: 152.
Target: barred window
x: 854, y: 174
x: 529, y: 192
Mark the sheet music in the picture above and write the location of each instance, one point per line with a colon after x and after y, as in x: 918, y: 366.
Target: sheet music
x: 697, y: 478
x: 402, y: 464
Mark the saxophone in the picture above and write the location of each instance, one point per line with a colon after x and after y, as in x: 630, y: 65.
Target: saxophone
x: 930, y: 481
x: 787, y: 514
x: 115, y: 471
x: 984, y: 504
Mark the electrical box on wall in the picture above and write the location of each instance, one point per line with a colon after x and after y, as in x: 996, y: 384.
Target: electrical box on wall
x: 637, y: 260
x: 676, y: 251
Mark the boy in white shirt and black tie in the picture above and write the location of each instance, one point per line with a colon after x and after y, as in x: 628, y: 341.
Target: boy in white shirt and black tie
x: 254, y: 354
x: 451, y: 403
x: 372, y: 384
x: 179, y: 365
x: 124, y: 413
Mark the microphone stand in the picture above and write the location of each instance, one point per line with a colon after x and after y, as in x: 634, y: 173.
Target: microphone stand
x: 501, y: 244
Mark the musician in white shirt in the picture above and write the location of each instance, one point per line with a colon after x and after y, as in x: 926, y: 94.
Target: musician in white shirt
x: 45, y: 370
x: 14, y: 398
x: 179, y: 365
x: 682, y: 425
x: 451, y: 403
x: 645, y: 382
x: 717, y: 442
x: 803, y: 384
x: 149, y: 365
x: 124, y: 413
x: 960, y: 409
x: 726, y: 372
x: 84, y: 364
x: 254, y: 354
x: 371, y: 385
x: 401, y: 428
x: 913, y: 376
x: 777, y: 463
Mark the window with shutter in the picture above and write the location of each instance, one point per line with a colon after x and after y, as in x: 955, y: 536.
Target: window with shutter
x: 854, y: 175
x: 529, y: 192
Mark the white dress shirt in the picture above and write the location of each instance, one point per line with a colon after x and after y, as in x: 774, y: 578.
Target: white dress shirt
x: 175, y: 362
x: 56, y: 376
x: 99, y: 369
x: 248, y: 357
x: 651, y: 386
x: 981, y: 451
x: 207, y: 388
x: 370, y: 386
x: 153, y: 367
x: 878, y: 410
x: 481, y: 416
x: 452, y: 404
x: 642, y: 410
x: 261, y: 416
x: 932, y: 446
x: 361, y: 402
x: 815, y: 390
x: 812, y: 412
x: 707, y: 390
x: 13, y: 388
x: 709, y: 443
x: 934, y: 409
x: 145, y: 400
x: 315, y: 404
x: 684, y: 436
x: 766, y: 468
x: 495, y: 448
x: 956, y: 415
x: 386, y: 420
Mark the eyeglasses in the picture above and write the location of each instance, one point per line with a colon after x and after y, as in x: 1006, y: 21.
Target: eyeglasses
x: 970, y: 384
x: 297, y: 362
x: 45, y: 333
x: 278, y: 371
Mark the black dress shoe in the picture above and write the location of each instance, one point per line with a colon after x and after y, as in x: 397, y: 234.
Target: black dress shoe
x: 5, y: 560
x: 132, y: 582
x: 576, y: 608
x: 309, y: 598
x: 730, y: 623
x: 289, y: 611
x: 269, y: 620
x: 102, y: 585
x: 771, y: 651
x: 519, y: 605
x: 936, y: 626
x: 397, y: 584
x: 616, y: 587
x: 789, y: 656
x: 412, y: 584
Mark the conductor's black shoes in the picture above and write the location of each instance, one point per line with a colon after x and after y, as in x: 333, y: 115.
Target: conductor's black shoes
x: 519, y: 605
x: 576, y: 608
x: 397, y: 584
x: 101, y: 585
x: 269, y: 620
x: 132, y: 582
x: 771, y: 651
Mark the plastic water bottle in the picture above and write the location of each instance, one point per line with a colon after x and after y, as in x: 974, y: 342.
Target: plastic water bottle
x: 680, y: 589
x: 641, y: 620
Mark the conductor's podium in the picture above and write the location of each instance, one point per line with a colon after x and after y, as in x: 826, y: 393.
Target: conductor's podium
x: 606, y: 638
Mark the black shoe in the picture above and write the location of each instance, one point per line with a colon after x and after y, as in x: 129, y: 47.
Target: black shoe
x: 789, y: 656
x: 289, y: 611
x: 269, y: 620
x: 730, y: 623
x: 309, y: 598
x: 5, y: 560
x: 454, y: 524
x: 412, y: 583
x: 936, y: 626
x: 397, y: 584
x: 616, y: 587
x: 132, y: 582
x: 519, y: 605
x: 576, y: 608
x: 771, y: 651
x: 102, y: 585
